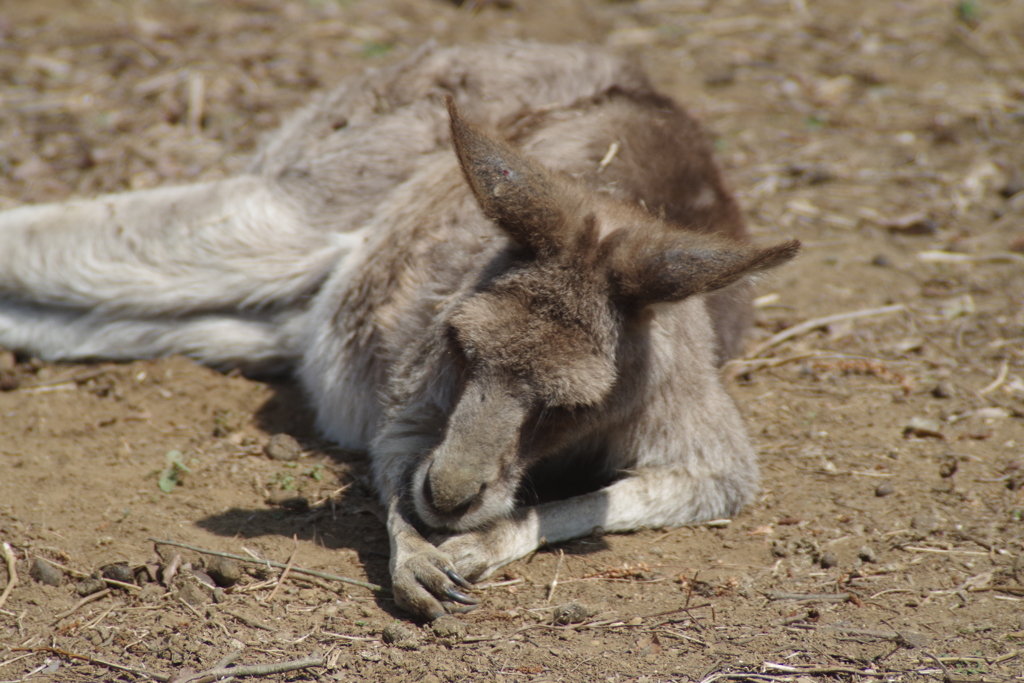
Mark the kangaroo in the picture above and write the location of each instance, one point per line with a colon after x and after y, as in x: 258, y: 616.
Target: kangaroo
x: 509, y: 273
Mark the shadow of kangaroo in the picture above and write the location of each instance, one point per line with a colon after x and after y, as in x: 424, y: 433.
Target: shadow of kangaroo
x: 553, y: 298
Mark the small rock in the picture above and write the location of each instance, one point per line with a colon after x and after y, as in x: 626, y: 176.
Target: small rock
x: 949, y: 467
x: 118, y: 572
x: 881, y: 261
x: 448, y: 627
x: 1013, y: 185
x: 283, y: 447
x: 44, y: 572
x: 397, y: 633
x: 204, y: 578
x: 828, y: 560
x: 219, y: 596
x: 224, y: 571
x: 922, y: 427
x: 289, y: 500
x: 571, y: 613
x: 925, y: 522
x: 9, y: 381
x: 191, y: 593
x: 89, y: 586
x: 867, y: 554
x: 884, y: 489
x: 943, y: 389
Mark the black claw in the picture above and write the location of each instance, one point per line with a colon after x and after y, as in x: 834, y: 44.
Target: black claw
x: 459, y: 596
x: 457, y: 579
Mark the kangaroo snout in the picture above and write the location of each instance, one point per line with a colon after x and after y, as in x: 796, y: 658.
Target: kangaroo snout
x: 470, y: 478
x: 452, y: 490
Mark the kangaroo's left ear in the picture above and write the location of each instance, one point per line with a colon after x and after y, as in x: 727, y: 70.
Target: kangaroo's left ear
x: 671, y: 268
x: 513, y: 191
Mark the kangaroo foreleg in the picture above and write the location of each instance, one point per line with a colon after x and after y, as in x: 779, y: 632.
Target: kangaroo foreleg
x: 656, y: 497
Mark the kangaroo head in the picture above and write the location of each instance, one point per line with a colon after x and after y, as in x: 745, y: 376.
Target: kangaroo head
x: 543, y: 342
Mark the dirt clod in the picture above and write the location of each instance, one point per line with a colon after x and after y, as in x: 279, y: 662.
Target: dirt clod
x: 118, y: 572
x: 283, y: 447
x: 44, y: 572
x: 89, y: 585
x: 193, y: 592
x: 570, y: 613
x: 398, y: 634
x: 449, y: 628
x: 224, y: 571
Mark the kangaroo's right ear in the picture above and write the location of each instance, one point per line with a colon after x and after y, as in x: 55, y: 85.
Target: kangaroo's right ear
x: 673, y: 268
x: 513, y: 191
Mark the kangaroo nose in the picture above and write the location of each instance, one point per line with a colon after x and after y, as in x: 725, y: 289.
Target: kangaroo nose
x: 451, y: 492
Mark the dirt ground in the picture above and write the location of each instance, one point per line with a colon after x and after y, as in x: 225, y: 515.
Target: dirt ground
x: 888, y: 539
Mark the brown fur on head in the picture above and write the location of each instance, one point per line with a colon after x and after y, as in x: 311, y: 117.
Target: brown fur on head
x: 546, y: 333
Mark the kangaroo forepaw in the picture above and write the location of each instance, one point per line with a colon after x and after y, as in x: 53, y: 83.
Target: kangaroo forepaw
x: 425, y: 583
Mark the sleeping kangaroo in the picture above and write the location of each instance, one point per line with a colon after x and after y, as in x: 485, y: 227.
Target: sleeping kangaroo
x: 510, y: 273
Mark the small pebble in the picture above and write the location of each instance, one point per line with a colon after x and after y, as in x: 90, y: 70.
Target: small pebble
x: 283, y: 447
x: 1013, y: 185
x: 219, y: 596
x: 828, y: 560
x: 44, y: 572
x: 8, y: 381
x: 204, y: 578
x: 448, y: 627
x: 867, y: 554
x: 89, y: 586
x: 881, y: 261
x: 571, y: 613
x: 224, y: 571
x: 884, y: 489
x: 118, y: 572
x: 943, y: 389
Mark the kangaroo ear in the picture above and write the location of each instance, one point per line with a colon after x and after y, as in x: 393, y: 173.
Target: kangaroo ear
x: 513, y: 191
x: 672, y: 269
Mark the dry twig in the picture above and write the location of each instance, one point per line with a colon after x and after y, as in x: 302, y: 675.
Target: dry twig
x: 84, y: 601
x: 825, y: 597
x: 554, y: 581
x: 92, y: 660
x: 211, y: 675
x: 287, y: 569
x: 241, y: 558
x: 815, y: 323
x: 12, y: 573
